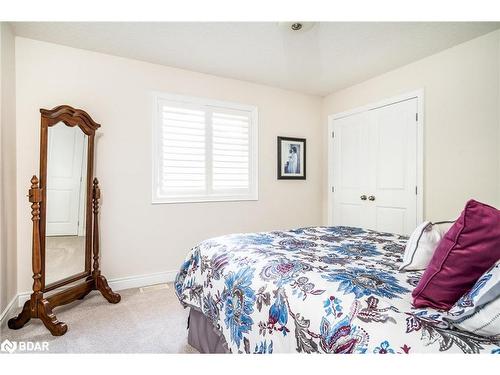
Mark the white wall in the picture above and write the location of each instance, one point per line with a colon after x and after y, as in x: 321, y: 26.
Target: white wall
x: 462, y: 144
x: 462, y: 123
x: 136, y: 236
x: 8, y: 282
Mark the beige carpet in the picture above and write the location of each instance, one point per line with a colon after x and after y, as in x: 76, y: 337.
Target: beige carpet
x: 148, y: 321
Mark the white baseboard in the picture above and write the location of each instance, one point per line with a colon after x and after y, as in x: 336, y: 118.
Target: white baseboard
x: 9, y: 310
x: 142, y: 280
x: 115, y: 284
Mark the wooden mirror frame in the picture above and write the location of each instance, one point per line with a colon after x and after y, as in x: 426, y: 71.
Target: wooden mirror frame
x: 39, y: 306
x: 70, y: 117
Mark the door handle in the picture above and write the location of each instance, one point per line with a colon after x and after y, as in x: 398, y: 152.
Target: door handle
x: 371, y: 198
x: 363, y: 197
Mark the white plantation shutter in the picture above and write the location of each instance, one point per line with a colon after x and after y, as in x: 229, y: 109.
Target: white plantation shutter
x: 231, y: 151
x: 204, y: 150
x: 183, y: 150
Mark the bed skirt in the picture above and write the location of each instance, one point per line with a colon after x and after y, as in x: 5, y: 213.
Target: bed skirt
x: 203, y: 336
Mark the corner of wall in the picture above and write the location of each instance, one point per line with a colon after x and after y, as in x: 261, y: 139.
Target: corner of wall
x: 3, y: 304
x: 8, y: 206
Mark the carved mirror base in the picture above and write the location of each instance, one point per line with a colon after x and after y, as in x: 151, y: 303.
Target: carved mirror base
x: 41, y: 308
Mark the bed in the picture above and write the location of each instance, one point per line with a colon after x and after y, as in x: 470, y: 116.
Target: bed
x: 311, y: 290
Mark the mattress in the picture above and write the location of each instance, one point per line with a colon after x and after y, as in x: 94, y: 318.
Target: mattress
x: 315, y: 290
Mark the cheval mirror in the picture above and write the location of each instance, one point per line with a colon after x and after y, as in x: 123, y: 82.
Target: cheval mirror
x: 65, y: 208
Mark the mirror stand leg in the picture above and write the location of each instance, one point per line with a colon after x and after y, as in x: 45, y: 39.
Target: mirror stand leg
x: 37, y: 306
x: 102, y: 286
x: 100, y: 282
x: 49, y: 319
x: 24, y: 317
x: 42, y: 311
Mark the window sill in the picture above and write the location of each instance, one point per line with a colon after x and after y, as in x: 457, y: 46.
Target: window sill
x: 203, y: 200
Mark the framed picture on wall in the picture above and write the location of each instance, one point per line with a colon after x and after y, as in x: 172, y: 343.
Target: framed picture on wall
x: 291, y: 158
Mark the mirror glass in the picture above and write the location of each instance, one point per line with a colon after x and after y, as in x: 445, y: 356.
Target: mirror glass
x: 65, y: 202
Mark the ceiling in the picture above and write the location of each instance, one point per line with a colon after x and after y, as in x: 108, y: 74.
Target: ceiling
x: 327, y: 57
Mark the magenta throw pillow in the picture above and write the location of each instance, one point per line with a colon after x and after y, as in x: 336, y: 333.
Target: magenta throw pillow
x: 468, y: 249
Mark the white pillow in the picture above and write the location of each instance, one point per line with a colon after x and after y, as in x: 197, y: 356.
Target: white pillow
x: 485, y: 322
x: 478, y: 311
x: 422, y: 244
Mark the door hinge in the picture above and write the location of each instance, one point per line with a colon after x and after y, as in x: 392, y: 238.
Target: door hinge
x: 333, y: 134
x: 416, y: 116
x: 416, y: 190
x: 333, y: 189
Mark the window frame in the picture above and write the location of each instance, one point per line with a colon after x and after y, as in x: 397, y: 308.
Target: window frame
x: 252, y: 195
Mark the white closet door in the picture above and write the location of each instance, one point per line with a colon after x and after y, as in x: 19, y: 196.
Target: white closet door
x: 375, y: 169
x: 64, y: 174
x: 393, y: 168
x: 351, y: 171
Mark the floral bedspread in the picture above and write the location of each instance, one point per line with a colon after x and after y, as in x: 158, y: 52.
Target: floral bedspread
x: 316, y: 290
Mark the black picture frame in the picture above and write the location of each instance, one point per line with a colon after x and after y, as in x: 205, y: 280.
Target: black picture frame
x: 301, y: 166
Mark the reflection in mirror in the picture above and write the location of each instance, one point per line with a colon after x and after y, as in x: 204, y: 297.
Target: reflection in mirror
x: 65, y: 202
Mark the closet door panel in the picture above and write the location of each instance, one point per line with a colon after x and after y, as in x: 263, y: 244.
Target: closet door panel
x: 350, y: 171
x: 393, y: 167
x: 390, y: 219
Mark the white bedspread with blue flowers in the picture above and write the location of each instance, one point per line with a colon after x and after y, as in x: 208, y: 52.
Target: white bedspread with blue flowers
x: 315, y: 290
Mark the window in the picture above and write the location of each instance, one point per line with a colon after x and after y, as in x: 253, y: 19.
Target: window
x: 204, y: 150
